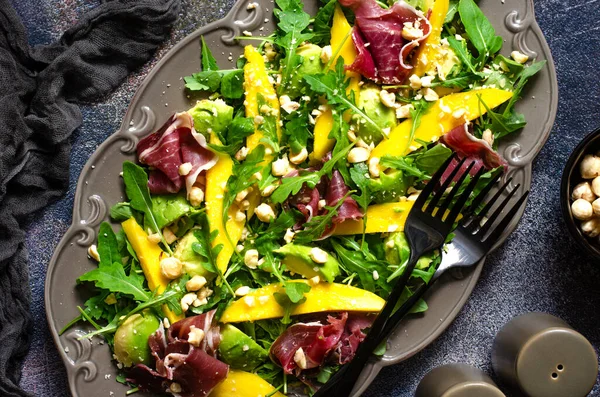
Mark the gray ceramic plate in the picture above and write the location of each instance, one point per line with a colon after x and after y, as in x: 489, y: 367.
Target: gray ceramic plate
x: 88, y: 364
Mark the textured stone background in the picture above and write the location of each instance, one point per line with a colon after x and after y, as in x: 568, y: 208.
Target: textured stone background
x: 538, y: 269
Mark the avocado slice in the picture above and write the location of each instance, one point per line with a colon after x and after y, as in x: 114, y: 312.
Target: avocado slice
x: 239, y: 350
x: 131, y: 339
x: 297, y: 259
x: 168, y: 208
x: 369, y: 100
x: 192, y: 262
x: 311, y: 64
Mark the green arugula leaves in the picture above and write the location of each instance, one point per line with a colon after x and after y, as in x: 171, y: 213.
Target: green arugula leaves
x: 479, y: 29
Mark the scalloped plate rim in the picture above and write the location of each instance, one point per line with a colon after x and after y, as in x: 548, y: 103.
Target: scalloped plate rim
x: 376, y: 365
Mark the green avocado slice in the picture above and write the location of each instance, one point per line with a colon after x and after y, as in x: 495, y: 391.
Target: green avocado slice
x: 239, y: 350
x: 297, y: 259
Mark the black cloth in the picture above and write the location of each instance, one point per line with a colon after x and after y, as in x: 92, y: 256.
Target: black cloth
x: 39, y: 91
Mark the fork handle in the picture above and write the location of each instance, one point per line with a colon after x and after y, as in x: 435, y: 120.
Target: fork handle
x: 342, y: 383
x: 404, y: 309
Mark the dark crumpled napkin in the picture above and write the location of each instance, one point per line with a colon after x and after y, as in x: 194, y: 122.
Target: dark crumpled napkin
x: 39, y: 91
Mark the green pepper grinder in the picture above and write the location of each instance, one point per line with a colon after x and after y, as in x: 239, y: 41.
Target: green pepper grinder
x: 539, y: 355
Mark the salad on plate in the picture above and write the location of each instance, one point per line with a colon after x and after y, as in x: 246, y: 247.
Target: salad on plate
x: 263, y: 227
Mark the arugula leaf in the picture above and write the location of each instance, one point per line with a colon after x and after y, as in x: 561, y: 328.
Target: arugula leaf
x: 268, y: 127
x: 292, y: 185
x: 120, y: 212
x: 521, y: 80
x: 108, y: 248
x: 292, y: 21
x: 404, y: 164
x: 322, y: 24
x: 432, y: 159
x: 205, y: 249
x: 461, y: 81
x: 452, y: 9
x: 208, y: 60
x: 316, y: 227
x: 419, y: 108
x: 232, y: 84
x: 479, y: 29
x: 333, y: 84
x: 242, y: 177
x: 203, y: 81
x: 136, y: 188
x: 297, y: 132
x: 240, y: 128
x: 358, y: 174
x: 460, y: 49
x: 503, y: 124
x: 296, y: 291
x: 112, y: 277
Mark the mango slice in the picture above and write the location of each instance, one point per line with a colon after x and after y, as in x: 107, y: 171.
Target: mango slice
x: 440, y: 119
x: 149, y: 254
x: 381, y: 218
x: 341, y: 43
x: 256, y: 81
x: 427, y: 52
x: 244, y: 384
x: 323, y: 297
x: 216, y: 180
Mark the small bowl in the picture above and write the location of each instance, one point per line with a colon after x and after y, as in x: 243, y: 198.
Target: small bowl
x: 571, y: 177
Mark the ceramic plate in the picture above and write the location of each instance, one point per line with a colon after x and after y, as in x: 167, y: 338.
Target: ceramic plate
x: 99, y: 187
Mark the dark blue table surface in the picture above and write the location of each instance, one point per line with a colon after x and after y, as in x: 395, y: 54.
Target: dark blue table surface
x: 538, y: 269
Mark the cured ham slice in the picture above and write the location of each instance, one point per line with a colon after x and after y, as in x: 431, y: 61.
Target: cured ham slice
x: 466, y: 145
x: 194, y: 368
x: 382, y: 51
x: 336, y: 190
x: 165, y: 150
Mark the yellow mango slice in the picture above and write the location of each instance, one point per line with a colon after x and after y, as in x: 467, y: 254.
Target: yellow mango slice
x: 381, y: 218
x: 342, y: 45
x: 216, y: 180
x: 149, y: 254
x: 323, y: 297
x: 439, y: 120
x: 244, y: 384
x: 427, y: 53
x: 256, y: 81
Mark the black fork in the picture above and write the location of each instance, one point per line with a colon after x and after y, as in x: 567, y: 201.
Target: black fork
x: 427, y: 227
x: 473, y: 240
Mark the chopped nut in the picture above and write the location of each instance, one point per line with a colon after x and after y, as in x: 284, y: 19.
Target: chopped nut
x: 175, y: 388
x: 287, y: 104
x: 169, y: 236
x: 93, y: 252
x: 267, y: 191
x: 195, y: 336
x: 426, y: 81
x: 243, y: 194
x: 241, y: 154
x: 459, y: 113
x: 388, y: 99
x: 300, y: 359
x: 171, y: 267
x: 187, y: 300
x: 519, y: 57
x: 249, y: 301
x: 488, y: 136
x: 265, y: 213
x: 185, y: 169
x: 166, y: 323
x: 240, y: 216
x: 258, y: 119
x: 289, y: 235
x: 430, y: 95
x: 582, y: 209
x: 299, y: 157
x: 251, y: 258
x: 242, y: 291
x: 403, y: 112
x: 318, y: 255
x: 375, y: 275
x: 358, y: 155
x: 415, y: 82
x: 315, y: 280
x: 280, y: 167
x: 154, y: 238
x: 195, y: 283
x: 374, y: 167
x: 410, y: 32
x: 326, y: 54
x: 196, y: 196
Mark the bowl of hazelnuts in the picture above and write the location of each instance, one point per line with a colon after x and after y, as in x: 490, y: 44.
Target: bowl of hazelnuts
x: 580, y: 193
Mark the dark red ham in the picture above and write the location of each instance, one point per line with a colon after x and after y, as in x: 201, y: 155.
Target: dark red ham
x: 315, y: 339
x: 382, y: 52
x: 466, y: 145
x: 175, y: 143
x: 195, y: 369
x: 353, y: 336
x: 335, y: 191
